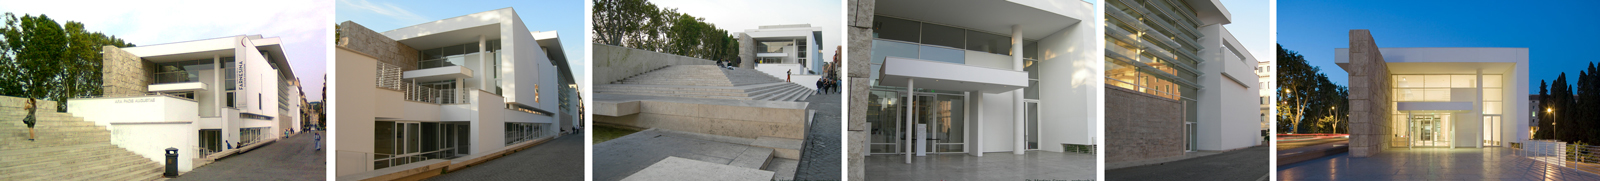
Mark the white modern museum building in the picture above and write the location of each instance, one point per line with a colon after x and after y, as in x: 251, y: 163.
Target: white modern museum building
x: 1447, y: 97
x: 787, y: 49
x: 456, y: 92
x: 1002, y: 76
x: 207, y: 98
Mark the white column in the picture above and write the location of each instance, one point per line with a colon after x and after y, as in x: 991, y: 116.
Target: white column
x: 1017, y: 108
x: 1478, y: 105
x: 911, y: 85
x: 485, y: 68
x: 977, y: 123
x: 220, y: 93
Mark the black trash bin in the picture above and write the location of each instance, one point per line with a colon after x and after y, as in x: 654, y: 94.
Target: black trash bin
x: 172, y: 163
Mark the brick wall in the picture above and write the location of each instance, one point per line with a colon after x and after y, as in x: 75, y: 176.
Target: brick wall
x: 1369, y: 96
x: 356, y: 37
x: 1141, y: 126
x: 123, y: 73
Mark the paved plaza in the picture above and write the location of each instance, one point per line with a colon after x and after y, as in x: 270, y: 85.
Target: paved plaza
x: 1432, y: 164
x: 819, y: 158
x: 559, y: 159
x: 292, y: 158
x: 1035, y: 165
x: 1250, y: 163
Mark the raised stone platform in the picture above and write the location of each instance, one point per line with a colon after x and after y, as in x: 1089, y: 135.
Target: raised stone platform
x: 674, y: 168
x: 630, y: 156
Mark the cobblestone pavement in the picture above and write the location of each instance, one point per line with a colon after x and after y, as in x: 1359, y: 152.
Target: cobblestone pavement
x: 1243, y: 164
x: 292, y: 158
x: 559, y: 159
x: 819, y: 158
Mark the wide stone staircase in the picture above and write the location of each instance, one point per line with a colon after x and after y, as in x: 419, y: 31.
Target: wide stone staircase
x: 708, y: 81
x: 65, y: 148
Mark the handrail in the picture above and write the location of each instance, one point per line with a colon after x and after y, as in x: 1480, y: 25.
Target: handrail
x: 419, y: 93
x: 388, y: 76
x: 395, y: 160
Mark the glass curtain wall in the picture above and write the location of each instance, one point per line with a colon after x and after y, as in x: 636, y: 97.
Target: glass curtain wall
x: 1432, y: 128
x: 1151, y: 48
x: 896, y: 37
x: 453, y: 55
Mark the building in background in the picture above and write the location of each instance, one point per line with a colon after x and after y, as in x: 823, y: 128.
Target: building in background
x: 1265, y: 75
x: 1433, y: 97
x: 781, y: 50
x: 456, y: 91
x: 1185, y: 77
x: 207, y: 98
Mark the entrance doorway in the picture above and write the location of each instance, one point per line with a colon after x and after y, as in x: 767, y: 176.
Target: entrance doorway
x: 1430, y: 130
x: 1491, y: 130
x: 943, y: 113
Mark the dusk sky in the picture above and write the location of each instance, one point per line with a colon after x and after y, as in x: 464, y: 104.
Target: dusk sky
x: 1550, y: 30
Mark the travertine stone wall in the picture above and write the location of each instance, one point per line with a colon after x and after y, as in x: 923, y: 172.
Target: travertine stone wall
x: 1369, y: 96
x: 1141, y: 126
x: 123, y: 73
x: 860, y: 53
x: 356, y: 37
x: 614, y: 63
x: 747, y: 51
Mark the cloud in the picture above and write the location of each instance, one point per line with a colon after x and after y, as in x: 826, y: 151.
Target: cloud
x: 386, y: 9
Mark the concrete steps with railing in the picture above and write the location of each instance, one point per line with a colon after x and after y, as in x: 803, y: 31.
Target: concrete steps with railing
x: 65, y: 148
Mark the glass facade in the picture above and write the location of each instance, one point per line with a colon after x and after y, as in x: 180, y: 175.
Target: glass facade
x: 1434, y: 128
x: 1152, y: 48
x: 943, y: 111
x: 453, y: 55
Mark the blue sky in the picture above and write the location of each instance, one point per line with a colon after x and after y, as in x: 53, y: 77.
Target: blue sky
x: 566, y: 17
x: 1553, y: 32
x: 1251, y: 23
x: 301, y: 24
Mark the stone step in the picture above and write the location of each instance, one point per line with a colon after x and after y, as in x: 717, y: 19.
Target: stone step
x: 756, y: 158
x: 783, y: 168
x: 782, y: 147
x: 66, y: 148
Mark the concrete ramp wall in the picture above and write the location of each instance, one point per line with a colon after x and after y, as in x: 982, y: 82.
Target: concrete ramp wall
x: 614, y: 63
x: 753, y: 119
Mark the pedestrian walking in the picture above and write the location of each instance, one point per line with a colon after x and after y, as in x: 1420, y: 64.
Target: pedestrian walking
x: 318, y: 140
x: 787, y: 74
x: 820, y: 83
x: 30, y: 120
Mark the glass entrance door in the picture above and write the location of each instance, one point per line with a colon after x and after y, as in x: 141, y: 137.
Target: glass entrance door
x: 946, y: 121
x: 884, y: 112
x: 1032, y: 135
x: 1491, y: 130
x: 1430, y: 130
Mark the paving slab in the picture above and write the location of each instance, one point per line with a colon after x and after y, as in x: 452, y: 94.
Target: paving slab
x: 559, y: 159
x: 292, y: 158
x: 675, y: 168
x: 621, y: 157
x: 1494, y: 163
x: 1250, y: 163
x: 1031, y: 165
x: 821, y: 151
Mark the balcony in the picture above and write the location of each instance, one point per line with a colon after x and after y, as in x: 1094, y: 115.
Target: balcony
x: 414, y: 92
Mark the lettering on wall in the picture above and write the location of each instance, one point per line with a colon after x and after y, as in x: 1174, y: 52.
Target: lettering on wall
x: 136, y: 100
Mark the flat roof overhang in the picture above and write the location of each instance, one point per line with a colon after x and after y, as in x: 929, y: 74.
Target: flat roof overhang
x: 437, y: 74
x: 176, y: 87
x: 1433, y: 106
x: 990, y: 16
x: 1446, y: 60
x: 949, y: 76
x: 431, y: 39
x: 211, y: 48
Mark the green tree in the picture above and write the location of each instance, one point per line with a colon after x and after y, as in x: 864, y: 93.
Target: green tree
x: 42, y: 59
x: 1307, y: 96
x: 1545, y: 130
